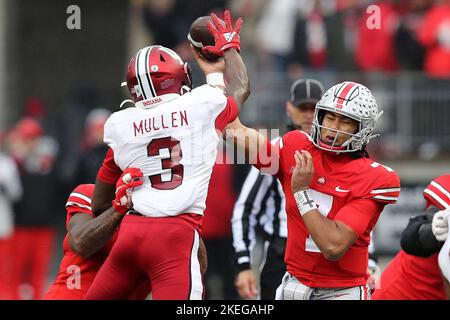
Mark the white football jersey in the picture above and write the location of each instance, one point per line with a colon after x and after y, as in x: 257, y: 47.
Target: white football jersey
x: 173, y: 140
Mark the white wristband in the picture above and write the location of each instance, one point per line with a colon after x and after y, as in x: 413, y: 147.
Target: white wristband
x: 305, y: 203
x: 215, y: 79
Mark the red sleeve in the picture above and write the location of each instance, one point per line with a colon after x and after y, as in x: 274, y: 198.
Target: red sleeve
x: 268, y: 160
x: 385, y: 186
x: 109, y: 172
x: 358, y: 214
x: 79, y: 201
x: 229, y: 114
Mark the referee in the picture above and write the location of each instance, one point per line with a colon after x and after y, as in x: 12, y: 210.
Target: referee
x: 261, y: 204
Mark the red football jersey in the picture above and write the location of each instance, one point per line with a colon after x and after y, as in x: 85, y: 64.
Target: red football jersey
x: 409, y: 277
x: 76, y: 273
x: 353, y: 191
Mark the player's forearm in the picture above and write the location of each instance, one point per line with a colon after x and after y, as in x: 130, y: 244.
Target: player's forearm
x: 236, y: 73
x: 103, y: 195
x: 95, y: 234
x: 327, y: 235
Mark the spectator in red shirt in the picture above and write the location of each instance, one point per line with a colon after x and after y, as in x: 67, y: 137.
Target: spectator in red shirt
x: 375, y: 50
x: 434, y: 35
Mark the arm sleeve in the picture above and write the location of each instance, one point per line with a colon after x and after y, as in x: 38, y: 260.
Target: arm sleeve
x: 109, y: 171
x: 357, y: 214
x: 268, y: 159
x: 79, y: 201
x: 229, y: 114
x: 386, y: 188
x: 418, y: 239
x: 245, y: 214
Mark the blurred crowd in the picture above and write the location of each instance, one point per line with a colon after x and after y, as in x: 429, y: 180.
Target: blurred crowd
x: 35, y: 181
x: 338, y: 35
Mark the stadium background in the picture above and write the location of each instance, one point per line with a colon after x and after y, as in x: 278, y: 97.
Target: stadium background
x: 58, y: 76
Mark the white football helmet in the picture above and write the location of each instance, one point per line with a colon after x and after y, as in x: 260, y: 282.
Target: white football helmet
x: 352, y: 100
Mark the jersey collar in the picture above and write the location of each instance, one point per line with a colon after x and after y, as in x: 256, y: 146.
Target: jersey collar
x: 153, y: 102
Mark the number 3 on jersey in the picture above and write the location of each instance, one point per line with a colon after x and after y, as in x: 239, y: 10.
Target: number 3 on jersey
x: 325, y: 202
x: 171, y: 163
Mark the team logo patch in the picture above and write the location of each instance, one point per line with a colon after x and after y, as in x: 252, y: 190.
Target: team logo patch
x: 154, y: 68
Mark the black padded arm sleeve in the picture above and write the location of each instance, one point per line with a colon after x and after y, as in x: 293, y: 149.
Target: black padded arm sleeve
x: 418, y: 239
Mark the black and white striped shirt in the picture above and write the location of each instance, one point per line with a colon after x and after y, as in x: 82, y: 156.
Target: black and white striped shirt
x: 261, y: 202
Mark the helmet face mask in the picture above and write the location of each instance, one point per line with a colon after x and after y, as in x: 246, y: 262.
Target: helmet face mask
x: 351, y: 100
x: 156, y: 71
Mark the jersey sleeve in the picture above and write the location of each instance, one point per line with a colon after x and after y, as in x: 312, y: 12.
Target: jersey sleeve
x: 385, y: 185
x: 268, y: 158
x: 79, y: 201
x: 357, y: 214
x: 109, y: 172
x: 229, y: 114
x: 223, y: 109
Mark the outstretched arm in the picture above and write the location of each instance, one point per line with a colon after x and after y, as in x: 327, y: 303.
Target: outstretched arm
x: 236, y: 73
x: 227, y: 45
x: 257, y: 148
x: 103, y: 195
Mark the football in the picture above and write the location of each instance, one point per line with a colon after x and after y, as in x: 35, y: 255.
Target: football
x: 199, y: 36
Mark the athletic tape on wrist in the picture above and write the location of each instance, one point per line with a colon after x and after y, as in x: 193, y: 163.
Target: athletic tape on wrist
x: 215, y: 79
x: 305, y: 203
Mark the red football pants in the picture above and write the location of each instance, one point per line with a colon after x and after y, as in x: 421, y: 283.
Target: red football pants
x: 162, y: 250
x: 33, y: 250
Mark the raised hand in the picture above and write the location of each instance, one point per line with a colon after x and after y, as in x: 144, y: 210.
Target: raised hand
x: 303, y: 171
x: 226, y: 37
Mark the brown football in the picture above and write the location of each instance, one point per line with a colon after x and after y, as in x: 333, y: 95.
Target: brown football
x: 199, y: 36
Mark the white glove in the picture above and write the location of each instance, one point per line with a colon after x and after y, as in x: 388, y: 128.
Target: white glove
x: 439, y: 226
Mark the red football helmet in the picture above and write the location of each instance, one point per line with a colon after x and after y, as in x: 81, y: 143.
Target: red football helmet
x: 437, y: 193
x: 156, y: 71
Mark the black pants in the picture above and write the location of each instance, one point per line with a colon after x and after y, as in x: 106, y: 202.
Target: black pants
x: 274, y: 268
x: 220, y: 266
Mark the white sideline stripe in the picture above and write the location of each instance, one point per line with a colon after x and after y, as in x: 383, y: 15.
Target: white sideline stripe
x: 196, y: 277
x: 437, y: 198
x: 376, y: 191
x: 81, y: 196
x: 385, y: 198
x: 71, y: 203
x: 441, y: 189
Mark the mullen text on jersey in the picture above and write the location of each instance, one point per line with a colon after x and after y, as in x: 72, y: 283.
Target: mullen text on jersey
x: 164, y: 121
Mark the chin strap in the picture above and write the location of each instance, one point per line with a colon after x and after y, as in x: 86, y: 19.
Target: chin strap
x: 184, y: 89
x: 126, y: 101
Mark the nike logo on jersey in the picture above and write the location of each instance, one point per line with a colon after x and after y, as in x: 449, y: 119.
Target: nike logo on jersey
x: 338, y: 189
